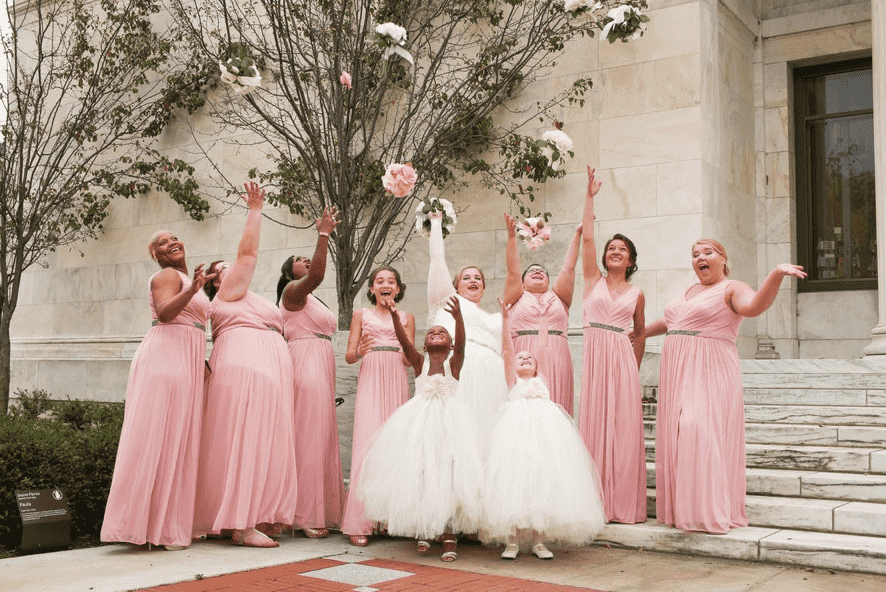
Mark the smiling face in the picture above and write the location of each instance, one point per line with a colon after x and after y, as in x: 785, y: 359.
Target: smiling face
x: 527, y: 366
x: 618, y: 255
x: 709, y: 264
x: 437, y: 339
x: 384, y: 285
x: 300, y: 267
x: 470, y: 284
x: 536, y: 279
x: 167, y: 250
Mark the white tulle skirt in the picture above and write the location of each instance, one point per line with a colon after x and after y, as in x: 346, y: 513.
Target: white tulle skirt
x: 423, y: 472
x: 539, y: 477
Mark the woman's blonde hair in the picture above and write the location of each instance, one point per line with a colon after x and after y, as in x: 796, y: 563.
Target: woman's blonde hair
x: 718, y: 248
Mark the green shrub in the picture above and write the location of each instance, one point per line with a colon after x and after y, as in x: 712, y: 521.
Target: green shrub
x: 70, y: 445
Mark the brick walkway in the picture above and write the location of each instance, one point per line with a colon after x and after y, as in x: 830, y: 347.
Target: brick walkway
x: 355, y: 575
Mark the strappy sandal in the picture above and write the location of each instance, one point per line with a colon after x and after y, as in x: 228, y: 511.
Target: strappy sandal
x: 449, y: 553
x: 422, y: 546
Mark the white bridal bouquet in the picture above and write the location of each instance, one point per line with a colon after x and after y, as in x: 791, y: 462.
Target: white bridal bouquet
x: 435, y: 207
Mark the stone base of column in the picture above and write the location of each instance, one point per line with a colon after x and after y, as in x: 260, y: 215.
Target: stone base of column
x: 766, y: 350
x: 877, y: 346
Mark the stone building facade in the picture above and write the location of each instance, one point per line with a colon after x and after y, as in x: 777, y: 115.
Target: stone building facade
x: 696, y: 130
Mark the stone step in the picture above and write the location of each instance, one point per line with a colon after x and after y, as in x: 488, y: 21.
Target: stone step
x: 831, y: 415
x: 808, y: 458
x: 822, y: 515
x: 803, y: 434
x: 798, y: 547
x: 845, y: 487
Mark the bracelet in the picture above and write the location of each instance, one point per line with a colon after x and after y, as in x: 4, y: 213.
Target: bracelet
x: 323, y: 233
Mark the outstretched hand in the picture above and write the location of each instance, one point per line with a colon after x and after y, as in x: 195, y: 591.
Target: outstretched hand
x: 328, y: 221
x: 255, y: 195
x: 453, y: 307
x: 389, y: 304
x: 791, y: 270
x: 201, y: 278
x: 504, y: 308
x: 511, y: 225
x: 593, y: 184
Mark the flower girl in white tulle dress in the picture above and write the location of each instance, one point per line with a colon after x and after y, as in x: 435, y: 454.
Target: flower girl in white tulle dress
x: 540, y: 483
x: 422, y: 473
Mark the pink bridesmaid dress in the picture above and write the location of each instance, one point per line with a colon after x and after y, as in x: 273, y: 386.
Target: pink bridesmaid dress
x: 247, y: 458
x: 155, y: 477
x: 699, y: 445
x: 611, y: 413
x: 381, y: 388
x: 321, y: 491
x: 525, y: 315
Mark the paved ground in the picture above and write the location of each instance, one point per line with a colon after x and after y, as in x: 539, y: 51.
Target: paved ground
x: 118, y: 568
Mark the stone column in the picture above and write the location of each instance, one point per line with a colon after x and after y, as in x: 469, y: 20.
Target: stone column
x: 877, y: 346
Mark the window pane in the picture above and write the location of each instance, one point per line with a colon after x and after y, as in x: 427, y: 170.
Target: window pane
x: 841, y: 92
x: 844, y: 232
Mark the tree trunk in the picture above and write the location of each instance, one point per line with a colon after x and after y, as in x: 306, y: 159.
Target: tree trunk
x: 4, y: 363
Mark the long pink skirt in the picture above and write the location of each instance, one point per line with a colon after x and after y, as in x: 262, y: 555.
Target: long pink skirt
x: 611, y: 422
x: 155, y: 476
x: 700, y: 447
x: 321, y: 491
x: 247, y: 458
x: 381, y: 389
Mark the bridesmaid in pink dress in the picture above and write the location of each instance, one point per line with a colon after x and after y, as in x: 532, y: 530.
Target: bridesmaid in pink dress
x: 155, y: 477
x: 247, y: 475
x: 699, y: 445
x: 308, y: 326
x: 611, y: 415
x: 381, y: 384
x: 530, y: 299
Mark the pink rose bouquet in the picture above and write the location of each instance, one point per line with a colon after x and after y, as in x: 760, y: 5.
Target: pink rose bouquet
x: 534, y: 233
x: 399, y: 179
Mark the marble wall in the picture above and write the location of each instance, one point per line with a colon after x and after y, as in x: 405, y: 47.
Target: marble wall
x: 688, y: 128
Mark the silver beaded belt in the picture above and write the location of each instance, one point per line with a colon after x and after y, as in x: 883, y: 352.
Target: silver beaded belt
x: 385, y: 348
x: 682, y: 332
x: 606, y: 327
x: 156, y: 322
x: 535, y: 332
x: 323, y: 336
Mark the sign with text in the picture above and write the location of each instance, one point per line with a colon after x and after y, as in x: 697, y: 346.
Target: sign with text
x: 46, y: 522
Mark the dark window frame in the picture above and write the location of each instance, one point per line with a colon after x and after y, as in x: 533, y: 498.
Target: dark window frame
x: 805, y: 249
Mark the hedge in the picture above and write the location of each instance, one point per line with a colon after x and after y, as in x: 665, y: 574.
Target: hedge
x: 70, y: 445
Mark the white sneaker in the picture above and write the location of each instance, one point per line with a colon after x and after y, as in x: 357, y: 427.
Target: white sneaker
x: 511, y: 551
x: 542, y: 552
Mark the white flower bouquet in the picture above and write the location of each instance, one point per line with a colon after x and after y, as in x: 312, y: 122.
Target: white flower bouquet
x: 435, y: 207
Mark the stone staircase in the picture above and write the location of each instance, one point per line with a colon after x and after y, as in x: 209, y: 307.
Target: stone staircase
x: 816, y: 477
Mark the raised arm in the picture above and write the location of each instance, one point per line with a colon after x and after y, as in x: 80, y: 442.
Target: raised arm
x: 237, y: 280
x: 439, y: 279
x: 412, y: 355
x: 513, y: 283
x: 170, y: 295
x: 458, y: 344
x: 507, y: 347
x: 742, y: 299
x: 638, y: 338
x: 590, y: 268
x: 297, y: 290
x: 564, y: 287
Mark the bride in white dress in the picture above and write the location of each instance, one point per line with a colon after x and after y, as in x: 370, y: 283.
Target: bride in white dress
x: 482, y: 384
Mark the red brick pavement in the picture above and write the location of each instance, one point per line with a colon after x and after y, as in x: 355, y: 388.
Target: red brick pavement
x: 285, y: 578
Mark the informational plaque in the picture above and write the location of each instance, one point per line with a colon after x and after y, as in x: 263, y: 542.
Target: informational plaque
x: 46, y: 522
